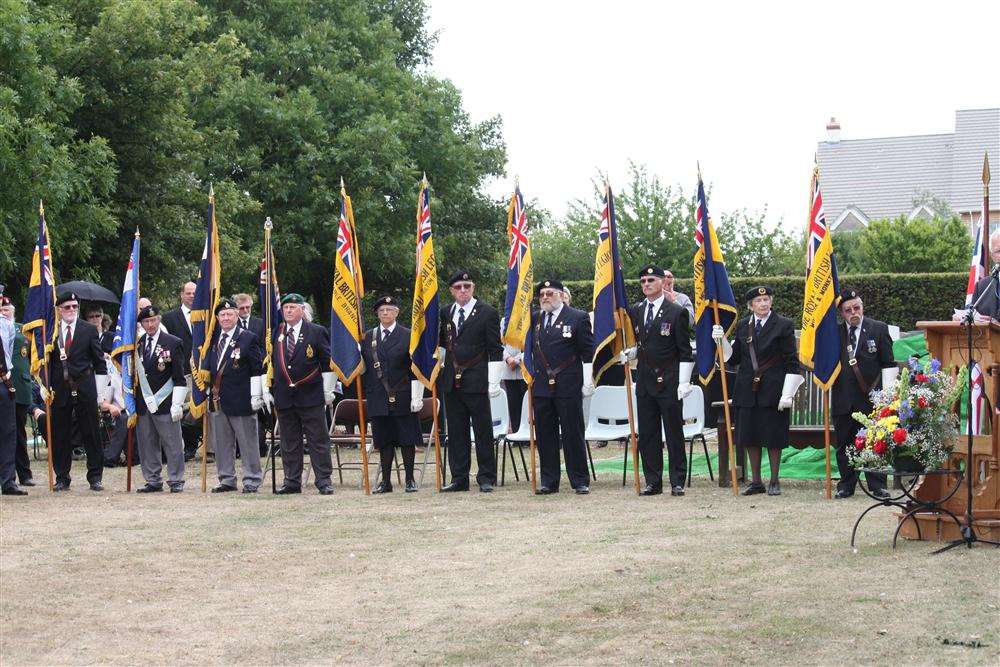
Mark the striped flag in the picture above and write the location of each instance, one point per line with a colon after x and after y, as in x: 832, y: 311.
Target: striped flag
x: 819, y: 347
x: 712, y: 290
x: 978, y: 399
x: 517, y: 306
x: 424, y: 333
x: 345, y: 302
x: 612, y: 325
x: 125, y: 331
x: 977, y: 265
x: 206, y: 297
x: 40, y: 308
x: 269, y: 298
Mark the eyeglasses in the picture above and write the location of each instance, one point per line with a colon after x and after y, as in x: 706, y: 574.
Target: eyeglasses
x: 244, y: 308
x: 458, y: 287
x: 550, y: 294
x: 70, y: 306
x: 648, y: 280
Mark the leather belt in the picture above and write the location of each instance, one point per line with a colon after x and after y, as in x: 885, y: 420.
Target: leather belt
x: 390, y: 390
x: 759, y: 369
x: 549, y: 371
x: 865, y: 387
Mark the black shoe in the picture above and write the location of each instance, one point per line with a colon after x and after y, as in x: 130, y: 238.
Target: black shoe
x: 61, y: 486
x: 841, y: 493
x: 28, y: 482
x: 411, y: 486
x: 650, y: 490
x: 285, y: 490
x: 881, y: 494
x: 545, y: 491
x: 13, y: 490
x: 176, y: 488
x: 486, y: 488
x: 453, y: 487
x: 223, y: 488
x: 774, y: 489
x: 326, y: 490
x: 383, y: 487
x: 754, y: 488
x: 249, y: 489
x: 150, y: 488
x: 582, y: 490
x: 677, y: 490
x: 96, y: 486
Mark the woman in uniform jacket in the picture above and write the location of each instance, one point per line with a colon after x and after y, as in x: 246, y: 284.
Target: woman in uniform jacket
x: 767, y: 368
x: 392, y: 396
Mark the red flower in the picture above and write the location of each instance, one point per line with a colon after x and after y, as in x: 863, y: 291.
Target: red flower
x: 886, y: 412
x: 859, y: 443
x: 879, y: 447
x: 899, y: 435
x: 920, y: 377
x: 922, y: 402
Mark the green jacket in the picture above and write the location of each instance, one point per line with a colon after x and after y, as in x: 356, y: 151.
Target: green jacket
x: 21, y: 371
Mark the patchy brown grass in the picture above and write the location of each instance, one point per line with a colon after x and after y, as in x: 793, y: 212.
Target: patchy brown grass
x: 470, y: 578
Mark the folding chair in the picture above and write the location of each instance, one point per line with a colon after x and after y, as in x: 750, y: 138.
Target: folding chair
x: 694, y: 427
x: 518, y: 437
x: 346, y: 413
x: 500, y: 421
x: 608, y: 419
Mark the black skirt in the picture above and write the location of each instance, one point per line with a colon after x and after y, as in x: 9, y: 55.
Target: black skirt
x: 762, y: 427
x: 399, y: 431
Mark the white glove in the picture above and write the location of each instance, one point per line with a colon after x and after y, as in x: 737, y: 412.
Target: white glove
x: 102, y: 388
x: 588, y: 380
x: 628, y: 355
x: 494, y: 372
x: 792, y: 383
x: 440, y: 354
x: 416, y: 395
x: 43, y: 393
x: 267, y: 398
x: 256, y: 385
x: 718, y: 333
x: 889, y: 376
x: 177, y: 403
x: 329, y: 388
x: 684, y: 379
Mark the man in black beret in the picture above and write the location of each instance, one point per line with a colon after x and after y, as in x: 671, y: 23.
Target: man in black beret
x: 866, y: 364
x: 562, y: 341
x: 162, y: 392
x: 9, y: 438
x: 663, y: 380
x: 470, y: 335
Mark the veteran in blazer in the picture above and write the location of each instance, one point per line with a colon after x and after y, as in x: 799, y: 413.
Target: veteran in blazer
x: 663, y: 380
x: 470, y: 335
x: 9, y: 439
x: 161, y: 392
x: 393, y: 396
x: 562, y: 341
x: 302, y: 386
x: 866, y: 364
x: 235, y: 396
x: 767, y: 377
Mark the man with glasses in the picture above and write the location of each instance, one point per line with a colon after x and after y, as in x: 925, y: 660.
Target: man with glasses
x: 76, y: 370
x: 94, y: 314
x: 470, y: 334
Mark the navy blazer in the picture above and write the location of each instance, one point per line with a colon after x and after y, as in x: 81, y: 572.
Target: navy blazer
x: 480, y: 336
x: 569, y: 340
x: 298, y: 381
x: 240, y: 361
x: 661, y: 348
x: 84, y: 360
x: 394, y: 362
x: 170, y: 350
x: 874, y: 353
x: 777, y: 342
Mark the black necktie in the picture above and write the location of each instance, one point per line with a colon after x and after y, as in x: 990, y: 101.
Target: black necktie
x: 461, y: 318
x: 290, y: 345
x: 649, y: 315
x: 222, y: 343
x: 854, y: 340
x: 385, y: 333
x: 757, y: 328
x: 149, y: 347
x: 548, y: 321
x: 242, y: 323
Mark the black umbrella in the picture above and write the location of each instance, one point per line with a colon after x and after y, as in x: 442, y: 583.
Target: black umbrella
x: 87, y: 291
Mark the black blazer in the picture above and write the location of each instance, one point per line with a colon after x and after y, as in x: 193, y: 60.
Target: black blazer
x: 241, y: 360
x: 990, y: 305
x: 661, y: 348
x: 394, y: 362
x: 84, y: 360
x: 874, y: 353
x: 480, y: 335
x: 777, y: 339
x: 255, y: 325
x: 304, y: 369
x: 569, y: 340
x: 175, y: 324
x: 170, y: 351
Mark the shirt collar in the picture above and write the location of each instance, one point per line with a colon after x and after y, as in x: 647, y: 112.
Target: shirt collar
x: 390, y: 328
x: 860, y: 324
x: 555, y: 313
x: 656, y: 304
x: 763, y: 321
x: 468, y: 307
x: 185, y: 310
x: 153, y: 338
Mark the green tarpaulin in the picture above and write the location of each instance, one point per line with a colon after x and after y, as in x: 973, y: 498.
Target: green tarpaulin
x: 795, y: 464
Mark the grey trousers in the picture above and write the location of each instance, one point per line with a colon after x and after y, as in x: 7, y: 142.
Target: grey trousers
x: 293, y: 423
x: 156, y: 433
x: 228, y: 433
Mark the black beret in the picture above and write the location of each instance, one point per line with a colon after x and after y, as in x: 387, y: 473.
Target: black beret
x: 386, y: 301
x: 755, y: 292
x: 147, y: 312
x: 652, y: 270
x: 848, y: 294
x: 550, y: 284
x: 64, y: 297
x: 461, y: 275
x: 292, y: 297
x: 225, y: 303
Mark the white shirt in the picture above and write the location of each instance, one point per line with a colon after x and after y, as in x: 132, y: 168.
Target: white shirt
x: 68, y: 330
x: 551, y: 318
x: 857, y: 333
x: 293, y: 331
x: 7, y: 333
x: 152, y: 344
x: 187, y: 315
x: 229, y: 339
x: 656, y: 307
x: 467, y: 308
x: 762, y: 322
x: 390, y: 329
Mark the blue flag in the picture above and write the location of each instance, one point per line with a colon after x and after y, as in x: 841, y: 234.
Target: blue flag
x: 424, y: 333
x: 520, y: 285
x: 206, y: 297
x: 345, y: 301
x: 125, y: 331
x: 819, y: 345
x: 40, y: 308
x: 612, y: 325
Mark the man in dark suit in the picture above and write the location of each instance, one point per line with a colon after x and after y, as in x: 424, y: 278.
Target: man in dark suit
x: 393, y: 397
x: 866, y: 364
x: 177, y: 322
x: 8, y: 409
x: 989, y: 307
x: 247, y: 320
x: 561, y: 341
x: 159, y: 403
x: 302, y: 387
x: 236, y: 395
x: 76, y: 368
x: 470, y: 335
x: 767, y: 377
x: 21, y: 379
x: 663, y: 380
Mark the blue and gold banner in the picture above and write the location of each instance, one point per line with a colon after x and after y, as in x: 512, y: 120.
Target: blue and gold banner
x: 424, y: 332
x: 125, y: 331
x: 206, y: 298
x: 520, y: 284
x: 819, y: 347
x: 40, y: 307
x: 345, y: 299
x: 612, y: 325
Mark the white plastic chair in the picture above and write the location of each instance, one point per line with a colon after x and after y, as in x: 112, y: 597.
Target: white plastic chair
x: 518, y: 437
x: 693, y: 409
x: 608, y: 418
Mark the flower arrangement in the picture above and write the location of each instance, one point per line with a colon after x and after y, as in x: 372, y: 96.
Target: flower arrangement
x: 911, y: 420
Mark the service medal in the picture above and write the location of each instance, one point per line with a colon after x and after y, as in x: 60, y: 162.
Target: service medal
x: 309, y: 351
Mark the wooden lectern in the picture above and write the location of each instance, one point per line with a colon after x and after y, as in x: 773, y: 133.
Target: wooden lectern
x: 947, y: 341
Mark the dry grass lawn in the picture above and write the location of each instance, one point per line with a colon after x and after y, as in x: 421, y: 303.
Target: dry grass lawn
x: 469, y: 578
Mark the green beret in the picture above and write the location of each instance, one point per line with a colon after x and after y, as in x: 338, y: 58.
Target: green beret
x: 293, y: 297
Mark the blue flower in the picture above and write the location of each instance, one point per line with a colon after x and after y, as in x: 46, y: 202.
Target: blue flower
x: 914, y: 364
x: 935, y: 365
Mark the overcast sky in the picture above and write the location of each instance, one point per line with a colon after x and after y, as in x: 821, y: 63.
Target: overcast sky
x: 585, y: 86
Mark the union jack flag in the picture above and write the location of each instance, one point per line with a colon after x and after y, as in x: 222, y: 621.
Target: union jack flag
x: 345, y: 243
x: 817, y: 224
x: 819, y: 344
x: 425, y: 310
x: 518, y: 231
x: 520, y: 276
x: 977, y: 265
x: 424, y: 220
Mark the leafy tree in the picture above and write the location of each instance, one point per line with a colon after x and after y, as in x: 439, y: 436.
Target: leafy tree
x: 751, y: 248
x: 915, y: 246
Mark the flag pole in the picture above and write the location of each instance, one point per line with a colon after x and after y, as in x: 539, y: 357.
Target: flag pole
x: 204, y: 448
x: 531, y: 441
x: 826, y: 441
x: 366, y: 482
x: 48, y: 414
x: 631, y: 413
x: 437, y: 440
x: 128, y: 460
x: 725, y: 407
